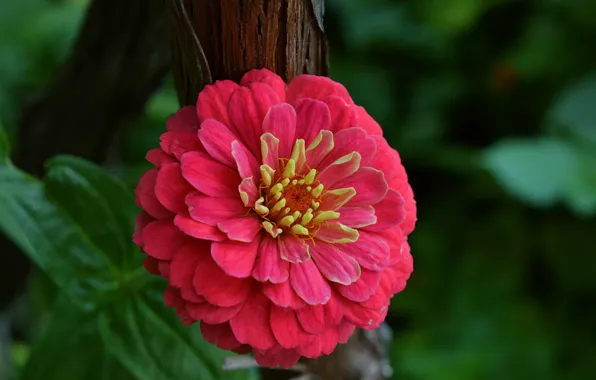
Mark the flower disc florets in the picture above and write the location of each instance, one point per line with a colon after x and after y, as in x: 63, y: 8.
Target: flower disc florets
x: 279, y: 215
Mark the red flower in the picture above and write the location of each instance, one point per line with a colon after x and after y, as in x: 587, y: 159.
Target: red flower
x: 279, y: 216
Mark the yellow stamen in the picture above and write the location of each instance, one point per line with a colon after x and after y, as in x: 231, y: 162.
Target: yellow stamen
x: 277, y: 196
x: 271, y: 230
x: 296, y: 215
x: 315, y: 205
x: 285, y: 182
x: 317, y: 190
x: 310, y: 177
x: 307, y: 217
x: 266, y: 174
x: 278, y: 206
x: 290, y: 169
x: 325, y: 215
x: 287, y: 221
x: 297, y: 229
x: 294, y: 182
x: 276, y: 189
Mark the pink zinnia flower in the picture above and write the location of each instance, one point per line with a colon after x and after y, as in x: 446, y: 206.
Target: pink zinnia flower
x: 279, y: 216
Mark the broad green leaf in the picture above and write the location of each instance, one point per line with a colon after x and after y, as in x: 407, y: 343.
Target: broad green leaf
x: 52, y: 240
x: 575, y: 110
x: 151, y: 344
x: 71, y: 348
x: 544, y: 171
x: 100, y: 204
x: 4, y: 145
x: 536, y: 171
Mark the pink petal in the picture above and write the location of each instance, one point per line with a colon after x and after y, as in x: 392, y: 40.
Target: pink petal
x: 286, y: 329
x: 247, y: 164
x: 141, y: 220
x: 267, y: 77
x: 342, y: 168
x: 145, y: 193
x: 248, y: 192
x: 370, y: 250
x: 390, y: 212
x: 386, y: 159
x: 312, y: 318
x: 335, y: 265
x: 317, y: 153
x: 357, y: 217
x: 183, y: 267
x: 293, y: 249
x: 158, y: 157
x: 277, y: 356
x: 151, y: 265
x: 218, y: 288
x: 282, y: 295
x: 333, y: 311
x: 367, y: 122
x: 312, y: 116
x: 281, y: 123
x: 370, y: 186
x: 410, y: 221
x: 235, y: 258
x: 309, y: 284
x: 270, y: 150
x: 345, y: 330
x: 221, y: 335
x: 198, y: 230
x: 362, y: 289
x: 251, y: 325
x: 214, y: 210
x: 343, y: 115
x: 186, y: 119
x: 248, y: 107
x: 333, y: 232
x: 171, y: 188
x: 210, y: 177
x: 315, y: 87
x: 243, y: 229
x: 269, y: 266
x: 162, y: 239
x: 395, y: 238
x: 323, y: 344
x: 217, y: 140
x: 214, y: 99
x: 335, y: 199
x: 348, y: 141
x: 205, y: 312
x: 364, y: 317
x: 178, y: 143
x: 164, y: 269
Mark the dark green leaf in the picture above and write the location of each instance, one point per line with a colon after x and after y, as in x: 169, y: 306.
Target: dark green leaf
x: 52, y: 240
x: 101, y: 205
x: 71, y: 349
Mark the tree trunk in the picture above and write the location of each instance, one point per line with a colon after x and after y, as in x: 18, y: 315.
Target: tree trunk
x: 121, y: 56
x: 223, y: 39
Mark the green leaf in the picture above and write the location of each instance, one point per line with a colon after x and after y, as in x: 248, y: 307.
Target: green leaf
x: 152, y: 344
x: 101, y: 205
x: 4, y: 145
x: 52, y: 240
x: 545, y: 171
x: 574, y: 110
x: 71, y: 349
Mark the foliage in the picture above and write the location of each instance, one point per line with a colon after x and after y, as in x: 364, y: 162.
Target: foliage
x: 491, y: 106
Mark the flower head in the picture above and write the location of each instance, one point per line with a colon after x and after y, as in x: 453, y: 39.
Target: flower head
x: 278, y: 214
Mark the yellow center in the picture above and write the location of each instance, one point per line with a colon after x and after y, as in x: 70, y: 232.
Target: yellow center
x: 290, y: 199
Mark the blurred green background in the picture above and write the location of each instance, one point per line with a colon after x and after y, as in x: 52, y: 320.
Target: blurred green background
x: 492, y: 106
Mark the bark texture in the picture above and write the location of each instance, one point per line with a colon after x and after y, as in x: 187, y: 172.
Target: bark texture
x: 223, y: 39
x: 121, y: 56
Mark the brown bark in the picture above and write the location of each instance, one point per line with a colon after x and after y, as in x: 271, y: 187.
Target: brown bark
x: 223, y: 39
x: 122, y: 54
